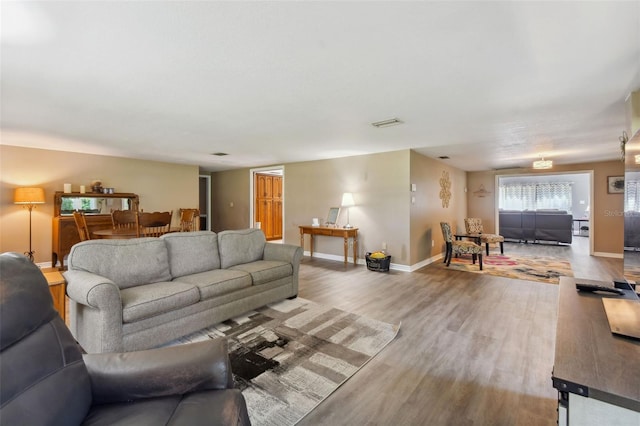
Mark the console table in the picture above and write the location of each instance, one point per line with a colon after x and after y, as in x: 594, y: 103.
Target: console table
x: 596, y: 373
x: 345, y: 233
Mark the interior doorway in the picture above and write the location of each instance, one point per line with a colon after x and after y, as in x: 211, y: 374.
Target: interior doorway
x: 204, y: 191
x: 579, y: 203
x: 267, y: 201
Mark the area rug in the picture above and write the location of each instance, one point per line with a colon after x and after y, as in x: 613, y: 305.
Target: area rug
x: 530, y: 268
x: 289, y: 356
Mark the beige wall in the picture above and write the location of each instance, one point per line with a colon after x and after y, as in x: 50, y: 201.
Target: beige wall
x: 380, y: 184
x: 161, y: 187
x: 427, y: 212
x: 607, y: 215
x: 380, y: 187
x: 230, y: 200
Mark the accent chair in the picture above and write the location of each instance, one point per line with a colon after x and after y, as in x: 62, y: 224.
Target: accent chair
x: 458, y: 247
x: 473, y: 225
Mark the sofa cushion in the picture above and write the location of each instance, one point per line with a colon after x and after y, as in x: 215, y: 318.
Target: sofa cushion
x: 217, y: 282
x: 127, y: 263
x: 241, y: 246
x: 264, y: 271
x: 192, y: 252
x: 146, y: 301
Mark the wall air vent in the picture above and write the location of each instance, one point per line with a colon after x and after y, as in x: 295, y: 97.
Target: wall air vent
x: 387, y: 123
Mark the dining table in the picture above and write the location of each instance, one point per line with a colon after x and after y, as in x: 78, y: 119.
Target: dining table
x: 120, y: 234
x: 114, y: 234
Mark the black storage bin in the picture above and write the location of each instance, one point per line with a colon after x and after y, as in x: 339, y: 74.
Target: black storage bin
x: 378, y: 265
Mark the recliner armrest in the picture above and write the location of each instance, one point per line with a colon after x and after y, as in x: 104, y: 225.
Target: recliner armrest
x: 175, y: 370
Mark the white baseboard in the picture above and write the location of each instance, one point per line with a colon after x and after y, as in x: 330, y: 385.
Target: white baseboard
x: 604, y: 254
x: 392, y: 266
x: 361, y: 261
x: 426, y: 262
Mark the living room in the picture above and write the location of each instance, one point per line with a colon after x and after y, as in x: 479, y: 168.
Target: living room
x: 295, y: 88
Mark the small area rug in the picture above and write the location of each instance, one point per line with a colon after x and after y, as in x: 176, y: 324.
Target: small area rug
x: 289, y: 356
x: 530, y: 268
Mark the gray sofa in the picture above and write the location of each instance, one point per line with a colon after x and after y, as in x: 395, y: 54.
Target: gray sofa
x: 135, y: 294
x: 538, y: 225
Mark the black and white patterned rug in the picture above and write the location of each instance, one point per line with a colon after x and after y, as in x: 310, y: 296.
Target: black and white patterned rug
x: 289, y: 356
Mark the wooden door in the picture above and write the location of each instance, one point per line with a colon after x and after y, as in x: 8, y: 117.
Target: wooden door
x: 268, y: 204
x: 277, y: 219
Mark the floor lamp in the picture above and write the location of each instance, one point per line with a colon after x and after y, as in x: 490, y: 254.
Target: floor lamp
x: 347, y: 201
x: 29, y: 197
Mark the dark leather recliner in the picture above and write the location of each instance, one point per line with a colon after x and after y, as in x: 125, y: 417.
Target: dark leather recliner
x: 46, y: 380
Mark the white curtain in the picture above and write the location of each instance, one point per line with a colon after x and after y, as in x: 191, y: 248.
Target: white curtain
x: 632, y: 195
x: 533, y: 196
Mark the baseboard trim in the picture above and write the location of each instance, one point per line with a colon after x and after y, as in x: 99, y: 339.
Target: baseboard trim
x: 361, y: 261
x: 426, y: 262
x: 604, y: 254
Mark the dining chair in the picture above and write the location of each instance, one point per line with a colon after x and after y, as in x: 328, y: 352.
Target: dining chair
x: 473, y: 225
x: 81, y: 224
x: 154, y: 224
x: 125, y: 219
x: 189, y: 220
x: 459, y: 246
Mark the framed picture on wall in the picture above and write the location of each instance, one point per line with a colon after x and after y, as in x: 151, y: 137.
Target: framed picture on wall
x: 615, y: 184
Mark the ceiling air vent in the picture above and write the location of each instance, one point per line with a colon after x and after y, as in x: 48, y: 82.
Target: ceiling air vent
x: 387, y: 123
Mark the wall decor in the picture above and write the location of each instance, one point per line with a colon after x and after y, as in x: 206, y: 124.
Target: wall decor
x: 615, y: 184
x: 445, y: 189
x: 481, y: 192
x: 623, y: 142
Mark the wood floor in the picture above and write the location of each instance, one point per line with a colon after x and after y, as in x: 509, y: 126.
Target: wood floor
x: 472, y: 350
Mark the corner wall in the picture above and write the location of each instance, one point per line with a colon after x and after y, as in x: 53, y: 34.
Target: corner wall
x: 384, y: 213
x: 427, y: 212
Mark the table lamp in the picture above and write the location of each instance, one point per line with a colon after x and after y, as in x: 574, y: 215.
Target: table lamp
x: 347, y: 201
x: 29, y: 197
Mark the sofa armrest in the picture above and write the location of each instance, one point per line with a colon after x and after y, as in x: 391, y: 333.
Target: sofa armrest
x: 286, y: 253
x: 175, y: 370
x: 283, y: 252
x: 92, y: 290
x: 98, y: 327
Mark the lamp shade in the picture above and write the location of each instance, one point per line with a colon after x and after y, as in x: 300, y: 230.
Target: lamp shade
x: 28, y: 196
x: 347, y: 200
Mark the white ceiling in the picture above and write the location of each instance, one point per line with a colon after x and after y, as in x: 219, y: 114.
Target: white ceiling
x: 489, y: 84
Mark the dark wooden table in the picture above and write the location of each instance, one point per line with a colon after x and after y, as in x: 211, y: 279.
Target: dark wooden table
x: 477, y: 238
x: 593, y: 363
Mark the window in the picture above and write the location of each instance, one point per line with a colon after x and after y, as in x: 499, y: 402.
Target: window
x: 632, y: 195
x: 534, y: 196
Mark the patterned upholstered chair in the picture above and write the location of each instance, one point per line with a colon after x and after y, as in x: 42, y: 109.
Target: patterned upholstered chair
x: 459, y: 247
x: 473, y: 225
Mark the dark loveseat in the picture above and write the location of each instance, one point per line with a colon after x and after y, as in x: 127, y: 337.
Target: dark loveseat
x: 632, y: 229
x: 538, y: 225
x: 46, y: 380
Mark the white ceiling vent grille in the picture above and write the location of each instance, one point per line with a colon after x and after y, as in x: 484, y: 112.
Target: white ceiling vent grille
x: 387, y: 123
